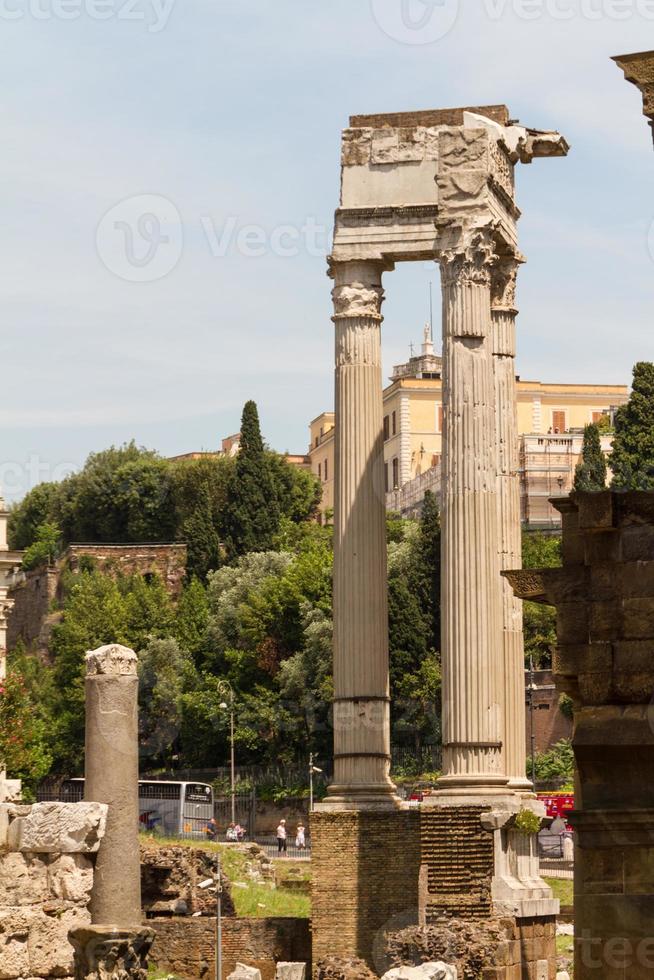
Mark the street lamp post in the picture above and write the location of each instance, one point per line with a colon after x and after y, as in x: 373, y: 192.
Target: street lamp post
x: 312, y: 769
x: 226, y: 686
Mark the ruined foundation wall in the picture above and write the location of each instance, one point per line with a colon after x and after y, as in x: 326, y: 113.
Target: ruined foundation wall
x: 366, y: 867
x: 47, y: 857
x: 186, y: 947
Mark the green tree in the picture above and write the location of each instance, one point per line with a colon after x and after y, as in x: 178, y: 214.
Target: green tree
x: 632, y: 459
x: 201, y: 536
x: 540, y: 551
x: 166, y: 672
x: 426, y: 578
x: 148, y: 610
x: 45, y: 548
x: 590, y: 474
x: 24, y: 750
x: 192, y: 619
x: 298, y: 491
x: 555, y: 765
x: 39, y: 506
x: 251, y: 514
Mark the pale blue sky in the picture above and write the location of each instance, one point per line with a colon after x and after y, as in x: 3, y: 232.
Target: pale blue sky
x: 231, y: 110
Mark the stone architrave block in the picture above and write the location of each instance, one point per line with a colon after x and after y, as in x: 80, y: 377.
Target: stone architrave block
x: 59, y: 828
x: 291, y: 971
x: 243, y: 972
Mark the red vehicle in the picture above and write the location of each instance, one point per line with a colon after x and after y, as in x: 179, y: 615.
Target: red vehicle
x: 558, y: 805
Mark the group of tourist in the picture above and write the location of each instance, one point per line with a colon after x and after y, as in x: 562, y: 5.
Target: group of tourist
x: 282, y: 838
x: 235, y: 834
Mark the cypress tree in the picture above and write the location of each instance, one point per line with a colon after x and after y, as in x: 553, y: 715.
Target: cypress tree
x: 632, y: 459
x: 590, y: 474
x: 427, y: 569
x: 252, y: 512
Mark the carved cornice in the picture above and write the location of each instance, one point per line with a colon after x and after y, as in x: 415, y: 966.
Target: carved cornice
x: 471, y: 261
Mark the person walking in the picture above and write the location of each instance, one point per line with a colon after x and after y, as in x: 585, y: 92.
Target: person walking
x: 300, y: 839
x: 281, y: 838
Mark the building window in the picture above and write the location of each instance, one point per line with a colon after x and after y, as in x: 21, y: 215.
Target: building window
x: 317, y: 440
x: 558, y: 422
x: 394, y: 424
x: 319, y: 471
x: 386, y: 486
x: 598, y: 416
x: 396, y: 473
x: 325, y: 471
x: 386, y: 428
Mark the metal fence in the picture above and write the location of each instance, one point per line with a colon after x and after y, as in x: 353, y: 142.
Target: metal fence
x: 271, y: 846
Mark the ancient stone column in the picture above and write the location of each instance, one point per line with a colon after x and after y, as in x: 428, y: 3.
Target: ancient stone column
x: 361, y: 679
x: 503, y: 315
x: 116, y: 940
x: 471, y: 590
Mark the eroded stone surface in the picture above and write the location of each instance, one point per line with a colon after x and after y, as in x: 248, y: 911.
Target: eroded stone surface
x: 243, y: 972
x: 58, y: 828
x: 291, y: 971
x: 426, y: 971
x: 102, y: 953
x: 111, y: 659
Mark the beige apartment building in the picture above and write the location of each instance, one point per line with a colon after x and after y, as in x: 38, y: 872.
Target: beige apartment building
x: 551, y: 418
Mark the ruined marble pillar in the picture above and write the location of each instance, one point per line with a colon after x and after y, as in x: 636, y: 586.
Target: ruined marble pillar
x: 471, y: 589
x: 361, y: 679
x: 503, y: 316
x: 117, y: 941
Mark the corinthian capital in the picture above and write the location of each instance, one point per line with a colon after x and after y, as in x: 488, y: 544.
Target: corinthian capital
x: 358, y: 299
x: 469, y: 261
x: 358, y: 291
x: 504, y: 278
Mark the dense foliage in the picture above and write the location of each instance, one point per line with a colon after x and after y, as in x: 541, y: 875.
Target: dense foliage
x: 590, y: 474
x: 540, y: 551
x: 632, y: 459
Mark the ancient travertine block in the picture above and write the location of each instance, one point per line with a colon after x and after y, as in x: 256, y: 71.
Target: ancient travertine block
x: 243, y: 972
x: 70, y: 877
x: 49, y: 950
x: 14, y: 930
x: 58, y: 828
x: 291, y: 971
x: 23, y: 880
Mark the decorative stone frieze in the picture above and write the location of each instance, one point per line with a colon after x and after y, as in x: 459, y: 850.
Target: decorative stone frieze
x: 103, y: 953
x: 56, y: 828
x: 639, y: 70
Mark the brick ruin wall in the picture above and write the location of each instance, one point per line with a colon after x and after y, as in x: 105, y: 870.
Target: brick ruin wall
x: 186, y: 947
x: 458, y: 855
x: 357, y: 893
x: 33, y: 614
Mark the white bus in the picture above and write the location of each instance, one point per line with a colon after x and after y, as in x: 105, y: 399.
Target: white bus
x: 170, y: 809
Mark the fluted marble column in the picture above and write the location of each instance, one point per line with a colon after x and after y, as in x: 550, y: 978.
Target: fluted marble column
x: 361, y: 677
x: 471, y: 591
x: 503, y: 314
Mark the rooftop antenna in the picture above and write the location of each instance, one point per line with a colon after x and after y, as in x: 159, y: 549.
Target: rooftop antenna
x: 431, y: 312
x: 412, y: 348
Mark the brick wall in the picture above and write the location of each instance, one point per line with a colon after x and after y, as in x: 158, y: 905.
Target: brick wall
x: 550, y: 724
x: 168, y: 561
x: 458, y: 855
x: 186, y: 947
x: 366, y: 868
x: 31, y: 619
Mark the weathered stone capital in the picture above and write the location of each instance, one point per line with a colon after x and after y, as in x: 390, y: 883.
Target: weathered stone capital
x: 358, y: 290
x: 106, y: 953
x: 112, y: 659
x: 470, y: 261
x: 504, y: 277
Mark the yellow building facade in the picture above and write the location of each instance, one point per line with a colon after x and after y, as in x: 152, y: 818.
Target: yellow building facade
x: 413, y: 423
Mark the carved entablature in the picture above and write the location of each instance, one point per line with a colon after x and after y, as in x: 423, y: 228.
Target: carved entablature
x: 504, y: 281
x: 502, y: 171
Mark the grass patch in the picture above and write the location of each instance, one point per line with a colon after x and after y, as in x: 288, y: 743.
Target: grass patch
x: 563, y: 889
x: 257, y: 901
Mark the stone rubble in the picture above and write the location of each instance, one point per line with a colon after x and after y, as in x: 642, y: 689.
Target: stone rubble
x: 243, y: 972
x: 426, y: 971
x: 291, y: 971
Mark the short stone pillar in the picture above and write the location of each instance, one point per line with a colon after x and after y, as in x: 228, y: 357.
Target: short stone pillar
x: 604, y: 597
x: 116, y: 945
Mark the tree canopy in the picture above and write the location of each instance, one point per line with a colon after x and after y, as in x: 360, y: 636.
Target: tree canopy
x: 590, y: 474
x: 632, y: 459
